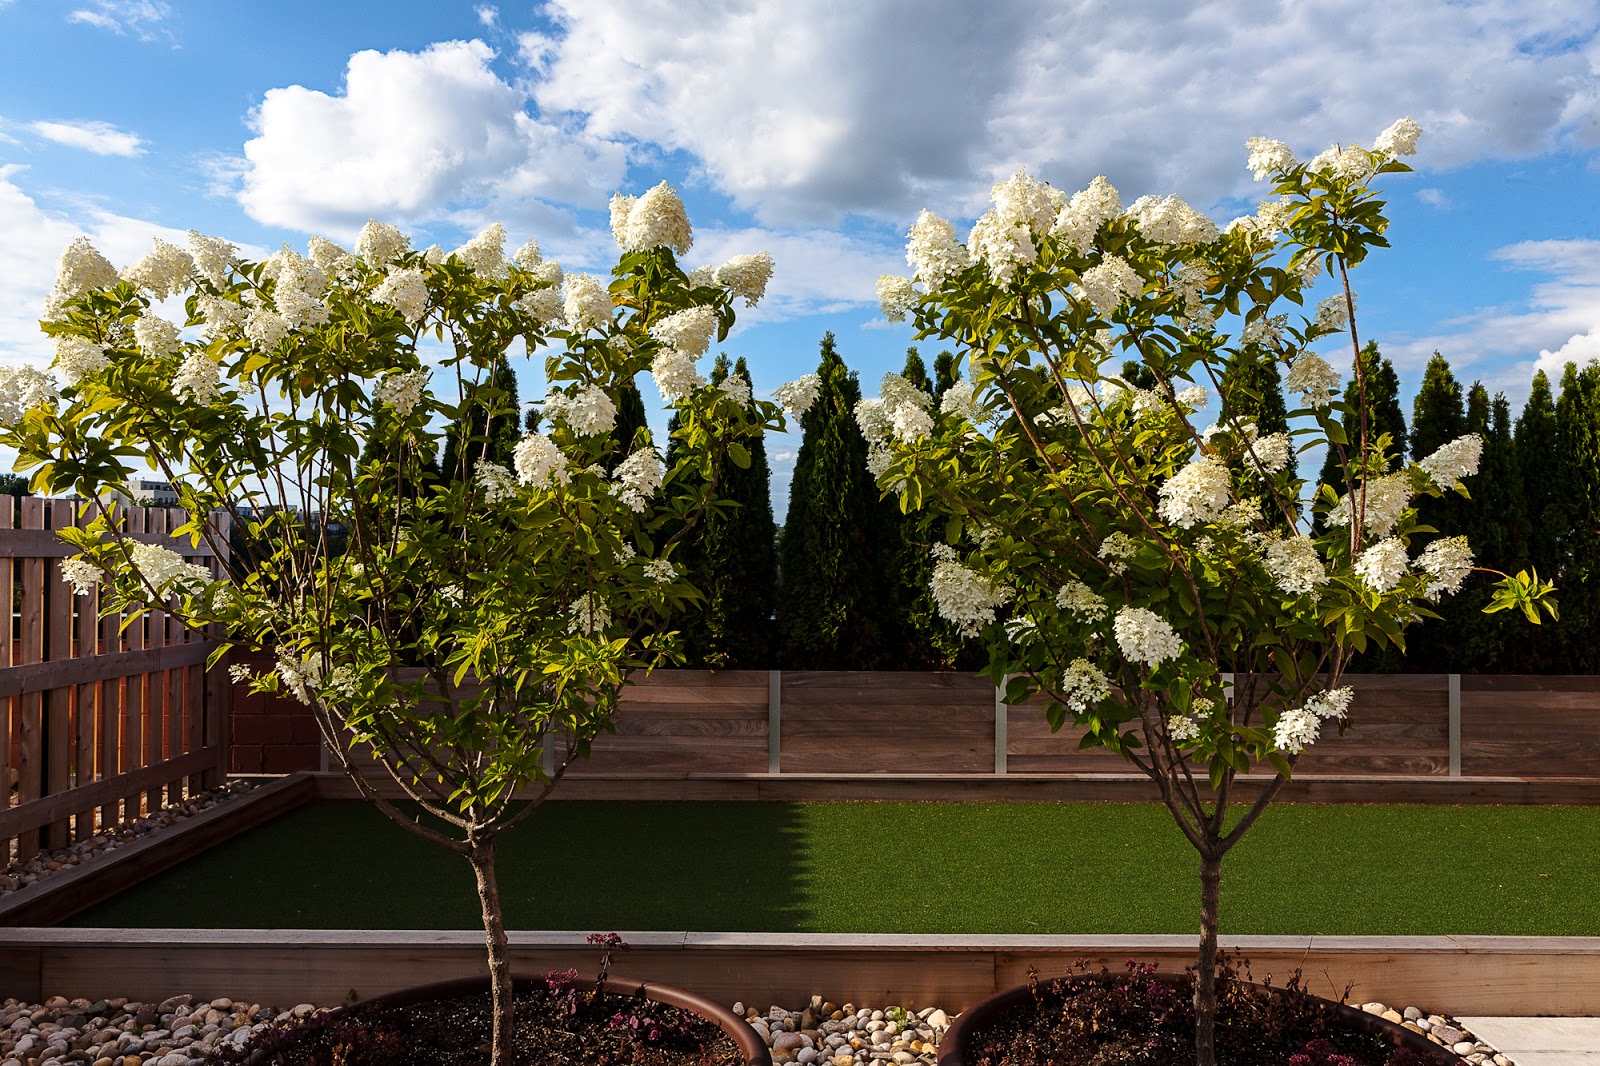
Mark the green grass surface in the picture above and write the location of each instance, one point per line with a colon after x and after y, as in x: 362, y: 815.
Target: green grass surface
x: 902, y: 868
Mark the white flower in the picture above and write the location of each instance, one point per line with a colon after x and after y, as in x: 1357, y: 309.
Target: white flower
x: 77, y: 357
x: 1274, y: 217
x: 1116, y: 550
x: 797, y: 396
x: 539, y: 462
x: 1145, y: 637
x: 1001, y: 244
x: 1352, y: 163
x: 1193, y: 398
x: 198, y: 380
x: 896, y: 296
x: 82, y: 574
x: 589, y: 615
x: 212, y: 256
x: 688, y: 331
x: 1083, y: 685
x: 485, y: 254
x: 265, y: 328
x: 1312, y: 377
x: 1295, y: 731
x: 1026, y: 201
x: 544, y: 306
x: 223, y: 318
x: 1170, y: 220
x: 1448, y: 561
x: 1110, y: 283
x: 1268, y: 333
x: 380, y: 243
x: 966, y: 598
x: 324, y: 252
x: 675, y: 375
x: 406, y: 291
x: 589, y: 411
x: 906, y: 409
x: 155, y: 336
x: 82, y: 268
x: 527, y: 257
x: 1197, y: 493
x: 240, y: 674
x: 1268, y: 157
x: 660, y: 571
x: 638, y: 478
x: 655, y: 220
x: 959, y: 401
x: 300, y: 677
x: 1271, y: 451
x: 1333, y: 313
x: 1386, y: 497
x: 1294, y: 565
x: 1334, y: 703
x: 746, y: 276
x: 1383, y: 565
x: 1079, y: 599
x: 737, y: 389
x: 1182, y: 729
x: 621, y: 205
x: 1399, y: 139
x: 402, y: 391
x: 1080, y: 221
x: 1454, y: 461
x: 702, y: 276
x: 164, y: 272
x: 588, y: 304
x: 496, y: 482
x: 165, y: 569
x: 933, y: 251
x: 23, y: 388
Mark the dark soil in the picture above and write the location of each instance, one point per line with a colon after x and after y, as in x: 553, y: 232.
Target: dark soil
x: 1139, y: 1019
x: 552, y: 1028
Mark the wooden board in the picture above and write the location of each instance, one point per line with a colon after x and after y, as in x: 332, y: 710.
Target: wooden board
x: 875, y: 722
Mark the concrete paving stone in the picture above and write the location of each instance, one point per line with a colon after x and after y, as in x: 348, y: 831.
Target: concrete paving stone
x: 1542, y: 1041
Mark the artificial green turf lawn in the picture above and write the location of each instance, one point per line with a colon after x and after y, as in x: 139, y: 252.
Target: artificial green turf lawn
x: 901, y: 868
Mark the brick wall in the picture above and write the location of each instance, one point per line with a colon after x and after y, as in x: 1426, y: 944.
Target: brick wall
x: 271, y: 734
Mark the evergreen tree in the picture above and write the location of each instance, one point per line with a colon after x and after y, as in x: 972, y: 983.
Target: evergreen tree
x: 496, y: 442
x: 1536, y: 649
x: 14, y: 485
x: 1253, y: 392
x: 630, y: 419
x: 829, y: 608
x: 1138, y: 375
x: 945, y: 374
x: 1438, y: 417
x: 1384, y: 413
x: 1578, y: 467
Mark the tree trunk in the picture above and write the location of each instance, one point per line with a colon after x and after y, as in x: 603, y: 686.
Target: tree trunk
x: 481, y: 854
x: 1205, y: 977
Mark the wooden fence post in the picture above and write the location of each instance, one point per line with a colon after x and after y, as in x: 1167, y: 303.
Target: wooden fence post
x: 774, y: 721
x: 30, y: 729
x: 8, y: 704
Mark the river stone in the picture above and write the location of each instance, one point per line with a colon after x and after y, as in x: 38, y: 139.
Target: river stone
x: 1445, y: 1035
x: 788, y: 1041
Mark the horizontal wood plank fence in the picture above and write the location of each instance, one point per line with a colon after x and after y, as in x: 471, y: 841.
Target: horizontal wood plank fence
x: 700, y: 724
x: 98, y: 723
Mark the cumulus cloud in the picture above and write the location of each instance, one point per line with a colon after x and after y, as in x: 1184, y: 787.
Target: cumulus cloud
x: 810, y: 109
x: 145, y: 19
x: 412, y: 136
x: 814, y: 271
x: 101, y: 138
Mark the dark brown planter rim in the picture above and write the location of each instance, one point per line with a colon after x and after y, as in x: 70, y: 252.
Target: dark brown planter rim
x: 749, y: 1041
x: 953, y: 1047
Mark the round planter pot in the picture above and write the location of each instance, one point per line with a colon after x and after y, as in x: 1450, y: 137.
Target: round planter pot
x: 953, y: 1047
x: 748, y: 1040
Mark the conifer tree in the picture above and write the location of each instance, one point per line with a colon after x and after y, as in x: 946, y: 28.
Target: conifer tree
x: 1253, y: 392
x: 630, y: 419
x: 829, y: 608
x: 1536, y: 649
x: 1384, y: 413
x: 501, y: 438
x: 1438, y: 417
x: 945, y: 374
x: 1578, y: 467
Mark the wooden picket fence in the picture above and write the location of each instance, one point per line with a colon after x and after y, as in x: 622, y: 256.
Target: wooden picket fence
x: 98, y: 723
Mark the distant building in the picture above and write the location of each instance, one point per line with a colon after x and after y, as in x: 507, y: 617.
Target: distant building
x: 144, y: 492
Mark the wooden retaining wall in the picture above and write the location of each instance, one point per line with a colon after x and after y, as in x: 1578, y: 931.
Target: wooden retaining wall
x: 97, y: 722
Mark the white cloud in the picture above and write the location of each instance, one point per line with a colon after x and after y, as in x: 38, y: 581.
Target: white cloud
x: 1434, y: 198
x: 814, y: 271
x: 101, y: 138
x: 487, y: 14
x: 811, y: 108
x: 411, y: 137
x: 145, y: 19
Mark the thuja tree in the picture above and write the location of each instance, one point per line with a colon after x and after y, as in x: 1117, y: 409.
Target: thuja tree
x: 1578, y: 468
x: 1373, y: 393
x: 1534, y: 442
x: 469, y: 629
x: 1115, y: 563
x: 494, y: 427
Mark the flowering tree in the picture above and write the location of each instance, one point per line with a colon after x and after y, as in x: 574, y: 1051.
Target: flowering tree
x: 478, y: 630
x: 1119, y: 559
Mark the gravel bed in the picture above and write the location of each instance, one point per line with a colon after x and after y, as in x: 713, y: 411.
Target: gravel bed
x: 180, y: 1031
x: 108, y: 839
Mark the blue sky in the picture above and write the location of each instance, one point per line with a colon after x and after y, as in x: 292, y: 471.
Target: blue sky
x: 815, y: 129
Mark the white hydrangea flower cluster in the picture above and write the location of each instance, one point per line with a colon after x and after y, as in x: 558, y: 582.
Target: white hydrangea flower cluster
x: 1266, y: 332
x: 198, y: 380
x: 959, y: 400
x: 589, y: 411
x: 746, y: 276
x: 1383, y: 565
x: 380, y: 243
x: 1182, y: 729
x: 1399, y: 139
x: 1334, y: 703
x: 485, y: 254
x: 1294, y: 565
x: 1268, y: 157
x: 222, y: 318
x: 797, y: 396
x: 1003, y: 238
x: 1145, y: 637
x: 325, y: 253
x: 495, y: 481
x: 1313, y: 378
x: 1334, y: 313
x: 528, y: 256
x: 1170, y: 220
x: 1454, y: 461
x: 655, y: 220
x: 265, y: 328
x: 933, y: 250
x: 402, y: 391
x: 964, y: 597
x: 1116, y: 550
x: 1109, y: 284
x: 688, y: 331
x: 660, y: 571
x: 155, y: 336
x: 1079, y: 599
x: 587, y: 303
x: 1295, y: 730
x: 538, y: 462
x: 1387, y: 497
x: 1273, y: 217
x: 165, y: 569
x: 702, y: 276
x: 298, y: 285
x: 896, y: 296
x: 737, y: 389
x: 1197, y: 493
x: 545, y: 306
x: 165, y: 271
x: 82, y: 574
x: 638, y: 478
x: 77, y: 357
x: 213, y: 257
x: 302, y: 677
x: 1189, y: 286
x: 1350, y: 162
x: 1083, y: 685
x: 406, y: 290
x: 675, y: 374
x: 907, y: 408
x: 23, y: 388
x: 1447, y: 561
x: 1079, y: 222
x: 1270, y: 452
x: 81, y: 268
x: 590, y: 615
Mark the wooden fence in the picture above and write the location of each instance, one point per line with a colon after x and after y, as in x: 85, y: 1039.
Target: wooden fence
x: 98, y: 723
